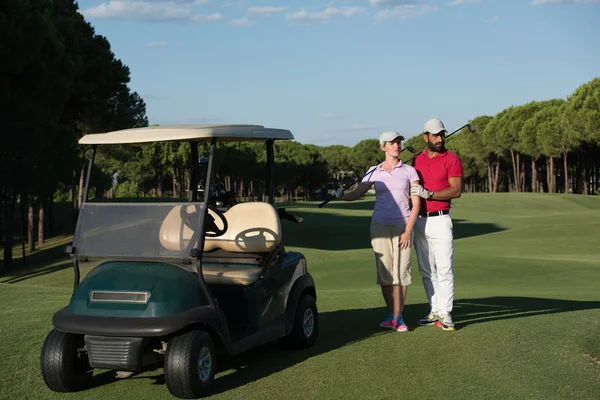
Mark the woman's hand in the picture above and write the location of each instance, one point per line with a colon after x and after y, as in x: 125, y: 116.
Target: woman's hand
x: 404, y: 242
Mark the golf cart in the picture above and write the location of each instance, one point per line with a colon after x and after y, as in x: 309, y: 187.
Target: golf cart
x: 176, y: 284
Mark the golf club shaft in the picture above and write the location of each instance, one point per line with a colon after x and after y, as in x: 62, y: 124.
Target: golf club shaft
x: 464, y: 126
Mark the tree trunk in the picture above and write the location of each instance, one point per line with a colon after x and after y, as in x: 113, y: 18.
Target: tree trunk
x: 41, y: 222
x: 490, y: 175
x: 8, y: 210
x: 522, y: 173
x: 3, y: 199
x: 30, y: 229
x: 515, y: 167
x: 585, y: 176
x: 50, y: 217
x: 566, y: 169
x: 175, y: 188
x: 534, y: 181
x: 241, y: 192
x: 551, y: 175
x: 187, y: 181
x: 496, y: 175
x: 593, y: 181
x: 81, y: 186
x: 159, y: 188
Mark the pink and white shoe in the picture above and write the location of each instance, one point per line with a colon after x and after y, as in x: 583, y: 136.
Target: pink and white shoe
x: 399, y: 325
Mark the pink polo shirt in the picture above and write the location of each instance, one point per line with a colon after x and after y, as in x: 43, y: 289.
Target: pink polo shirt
x: 393, y: 192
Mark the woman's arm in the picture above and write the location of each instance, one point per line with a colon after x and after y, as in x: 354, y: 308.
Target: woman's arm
x: 357, y: 193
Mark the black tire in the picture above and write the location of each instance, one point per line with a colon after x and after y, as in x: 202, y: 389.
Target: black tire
x: 182, y: 372
x: 307, y: 317
x: 64, y: 367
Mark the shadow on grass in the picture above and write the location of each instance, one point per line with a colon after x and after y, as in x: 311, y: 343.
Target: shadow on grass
x: 326, y: 231
x: 49, y: 254
x: 333, y: 334
x: 476, y: 311
x: 14, y: 276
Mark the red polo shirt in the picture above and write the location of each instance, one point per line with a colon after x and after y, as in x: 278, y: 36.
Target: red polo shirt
x: 434, y: 173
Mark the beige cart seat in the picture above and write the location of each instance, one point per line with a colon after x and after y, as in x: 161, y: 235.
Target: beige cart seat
x: 253, y: 227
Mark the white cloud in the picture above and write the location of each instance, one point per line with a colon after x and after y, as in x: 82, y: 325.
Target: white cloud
x: 542, y: 2
x: 264, y: 11
x: 241, y: 22
x: 493, y: 19
x: 405, y: 11
x: 459, y: 2
x: 387, y: 3
x: 157, y: 44
x: 323, y: 16
x: 161, y: 11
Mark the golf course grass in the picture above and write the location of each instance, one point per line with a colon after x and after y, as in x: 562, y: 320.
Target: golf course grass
x: 527, y: 311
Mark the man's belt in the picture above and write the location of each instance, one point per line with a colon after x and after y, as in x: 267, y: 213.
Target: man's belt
x: 434, y: 213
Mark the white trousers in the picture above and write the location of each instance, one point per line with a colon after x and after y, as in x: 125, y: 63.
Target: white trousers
x: 435, y: 253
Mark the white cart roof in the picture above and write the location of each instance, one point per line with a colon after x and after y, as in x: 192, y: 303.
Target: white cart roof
x: 169, y: 133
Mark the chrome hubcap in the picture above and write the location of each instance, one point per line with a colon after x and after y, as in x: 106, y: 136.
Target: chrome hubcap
x: 204, y: 364
x: 308, y: 322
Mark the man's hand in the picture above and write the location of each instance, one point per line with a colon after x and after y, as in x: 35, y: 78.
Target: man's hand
x: 418, y: 190
x: 338, y: 193
x: 404, y: 242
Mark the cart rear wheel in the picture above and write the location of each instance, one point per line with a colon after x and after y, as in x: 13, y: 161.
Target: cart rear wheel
x: 64, y: 363
x: 190, y: 364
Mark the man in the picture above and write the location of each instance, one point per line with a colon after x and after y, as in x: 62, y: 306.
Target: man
x: 441, y: 175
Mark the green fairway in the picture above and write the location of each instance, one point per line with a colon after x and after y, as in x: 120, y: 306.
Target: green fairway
x: 527, y: 310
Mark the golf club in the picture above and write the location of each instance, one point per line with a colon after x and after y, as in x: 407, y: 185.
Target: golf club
x: 409, y: 148
x: 471, y: 129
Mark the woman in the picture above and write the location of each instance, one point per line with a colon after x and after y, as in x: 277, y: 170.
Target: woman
x: 392, y: 224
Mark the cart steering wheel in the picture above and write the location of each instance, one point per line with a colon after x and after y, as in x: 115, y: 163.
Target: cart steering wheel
x: 211, y: 226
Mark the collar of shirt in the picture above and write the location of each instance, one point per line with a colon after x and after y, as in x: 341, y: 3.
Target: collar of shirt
x: 442, y: 154
x: 399, y: 165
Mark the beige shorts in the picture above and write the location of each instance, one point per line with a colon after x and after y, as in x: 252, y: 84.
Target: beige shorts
x: 393, y: 264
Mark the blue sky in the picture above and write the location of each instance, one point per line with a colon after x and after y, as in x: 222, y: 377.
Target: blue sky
x: 340, y: 71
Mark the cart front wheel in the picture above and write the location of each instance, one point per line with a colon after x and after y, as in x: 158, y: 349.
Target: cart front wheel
x: 64, y: 362
x: 190, y: 364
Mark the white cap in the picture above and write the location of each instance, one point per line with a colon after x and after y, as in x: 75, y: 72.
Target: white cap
x: 389, y: 136
x: 434, y: 126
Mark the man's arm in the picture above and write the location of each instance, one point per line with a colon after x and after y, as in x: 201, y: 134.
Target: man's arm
x: 453, y: 192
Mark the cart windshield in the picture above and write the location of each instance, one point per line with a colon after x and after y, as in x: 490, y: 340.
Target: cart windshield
x: 144, y: 231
